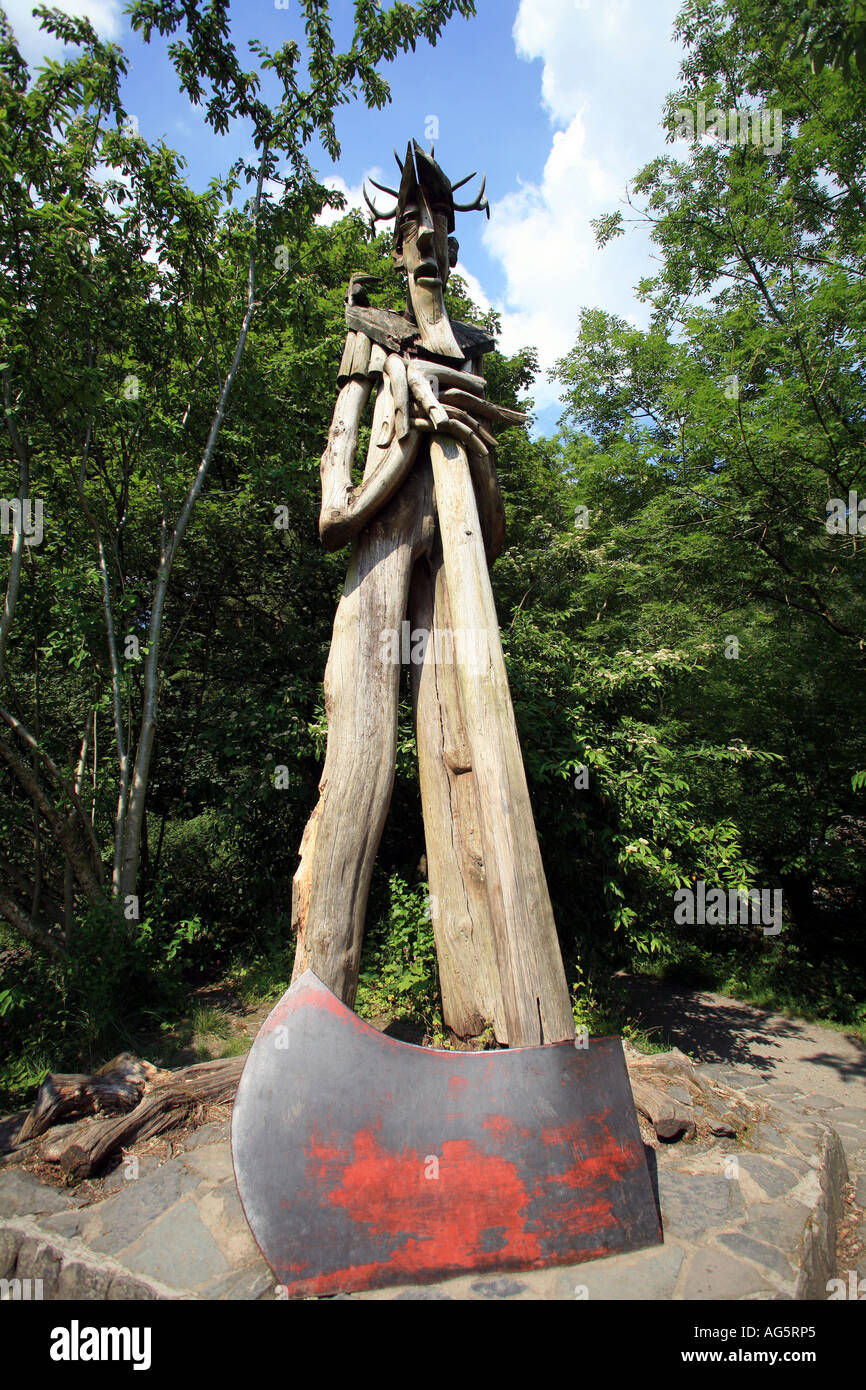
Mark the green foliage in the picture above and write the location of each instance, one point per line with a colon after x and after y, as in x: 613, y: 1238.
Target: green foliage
x: 683, y: 503
x: 705, y: 450
x: 398, y: 970
x: 72, y: 1015
x: 830, y: 35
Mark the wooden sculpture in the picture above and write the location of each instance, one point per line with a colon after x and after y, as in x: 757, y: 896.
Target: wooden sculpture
x: 425, y: 522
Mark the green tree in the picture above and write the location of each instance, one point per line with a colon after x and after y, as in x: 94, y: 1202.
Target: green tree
x: 127, y: 305
x: 714, y: 449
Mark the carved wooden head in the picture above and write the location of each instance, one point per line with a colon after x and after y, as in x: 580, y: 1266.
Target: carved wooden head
x: 423, y: 220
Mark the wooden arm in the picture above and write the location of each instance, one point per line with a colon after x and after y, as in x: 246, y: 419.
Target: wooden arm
x: 340, y: 523
x: 346, y: 510
x: 336, y: 467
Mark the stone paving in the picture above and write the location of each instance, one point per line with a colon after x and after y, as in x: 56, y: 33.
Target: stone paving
x: 753, y: 1220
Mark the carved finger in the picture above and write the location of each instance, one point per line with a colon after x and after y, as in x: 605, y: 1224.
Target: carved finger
x: 395, y: 370
x: 451, y: 376
x: 422, y: 389
x: 487, y: 409
x: 457, y: 430
x: 464, y: 418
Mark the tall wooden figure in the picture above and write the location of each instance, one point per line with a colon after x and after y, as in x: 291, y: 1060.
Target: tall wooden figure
x: 425, y: 522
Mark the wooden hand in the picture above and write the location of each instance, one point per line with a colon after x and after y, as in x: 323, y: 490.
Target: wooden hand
x: 462, y: 413
x: 460, y: 410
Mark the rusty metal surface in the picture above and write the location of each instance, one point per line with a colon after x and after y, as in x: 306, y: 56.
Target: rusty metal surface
x: 363, y: 1162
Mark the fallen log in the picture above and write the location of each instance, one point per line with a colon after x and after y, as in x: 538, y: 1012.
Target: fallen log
x: 674, y: 1064
x: 667, y: 1116
x: 652, y: 1073
x: 119, y: 1085
x: 14, y: 1157
x: 52, y: 1145
x: 168, y: 1104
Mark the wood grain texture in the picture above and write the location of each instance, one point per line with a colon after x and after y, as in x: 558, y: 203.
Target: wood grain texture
x: 362, y: 681
x: 347, y: 509
x: 361, y: 355
x: 344, y: 370
x: 397, y: 333
x: 536, y: 1000
x: 460, y: 911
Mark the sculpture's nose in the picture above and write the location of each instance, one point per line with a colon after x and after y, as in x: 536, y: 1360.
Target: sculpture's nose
x: 426, y: 229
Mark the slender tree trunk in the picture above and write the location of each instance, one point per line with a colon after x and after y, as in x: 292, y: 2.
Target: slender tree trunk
x: 131, y: 852
x: 14, y: 580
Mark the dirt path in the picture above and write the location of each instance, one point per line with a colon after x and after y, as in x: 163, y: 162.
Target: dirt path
x: 715, y: 1028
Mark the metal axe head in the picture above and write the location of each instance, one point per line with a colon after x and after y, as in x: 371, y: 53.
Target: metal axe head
x: 363, y: 1162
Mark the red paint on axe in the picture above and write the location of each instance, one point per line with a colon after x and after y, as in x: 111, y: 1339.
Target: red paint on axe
x: 363, y: 1162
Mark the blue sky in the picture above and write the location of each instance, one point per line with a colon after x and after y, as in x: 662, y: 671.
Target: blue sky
x: 559, y: 101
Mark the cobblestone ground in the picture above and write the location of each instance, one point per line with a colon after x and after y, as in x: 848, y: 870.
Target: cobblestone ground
x: 741, y: 1221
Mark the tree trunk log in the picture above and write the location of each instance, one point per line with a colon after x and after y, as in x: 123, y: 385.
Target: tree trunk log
x: 465, y: 949
x: 667, y: 1117
x: 536, y: 1000
x: 119, y: 1085
x: 165, y: 1107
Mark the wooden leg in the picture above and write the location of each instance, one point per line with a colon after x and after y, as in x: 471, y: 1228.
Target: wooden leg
x: 535, y: 993
x: 468, y: 974
x: 362, y: 683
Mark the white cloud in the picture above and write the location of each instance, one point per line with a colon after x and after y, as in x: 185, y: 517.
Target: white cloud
x: 35, y: 44
x: 474, y: 287
x: 353, y: 195
x: 606, y: 71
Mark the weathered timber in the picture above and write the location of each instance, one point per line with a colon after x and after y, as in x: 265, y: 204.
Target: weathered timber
x: 477, y: 405
x: 478, y: 818
x: 377, y: 360
x: 465, y: 434
x: 119, y: 1085
x: 424, y: 394
x: 361, y: 355
x: 397, y: 333
x: 346, y: 509
x: 668, y: 1117
x: 362, y: 682
x: 335, y: 470
x: 459, y: 905
x: 168, y: 1105
x: 395, y: 371
x: 345, y: 368
x: 724, y: 1110
x: 491, y: 509
x: 536, y: 1001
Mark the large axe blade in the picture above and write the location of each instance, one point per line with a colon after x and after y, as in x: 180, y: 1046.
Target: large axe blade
x: 363, y: 1162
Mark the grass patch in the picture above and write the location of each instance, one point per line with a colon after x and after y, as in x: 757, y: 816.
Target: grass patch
x: 212, y: 1021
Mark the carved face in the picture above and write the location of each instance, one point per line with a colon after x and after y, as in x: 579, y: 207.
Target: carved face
x: 425, y: 251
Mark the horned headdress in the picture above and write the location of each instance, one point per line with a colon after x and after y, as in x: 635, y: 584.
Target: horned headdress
x: 420, y: 171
